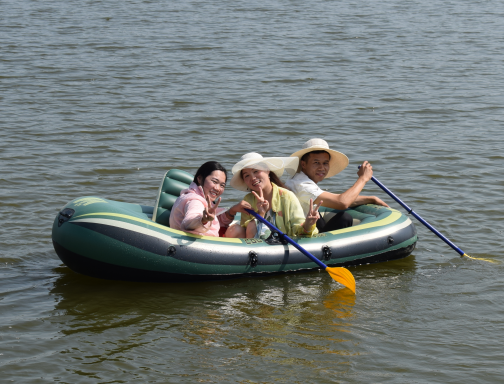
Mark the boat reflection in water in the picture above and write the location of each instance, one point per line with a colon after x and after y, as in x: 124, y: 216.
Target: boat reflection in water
x: 285, y: 318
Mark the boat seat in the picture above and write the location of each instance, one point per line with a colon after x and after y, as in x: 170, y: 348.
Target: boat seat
x: 173, y: 182
x: 329, y: 214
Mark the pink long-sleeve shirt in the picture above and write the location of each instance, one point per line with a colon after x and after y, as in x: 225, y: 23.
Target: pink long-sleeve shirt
x: 187, y: 212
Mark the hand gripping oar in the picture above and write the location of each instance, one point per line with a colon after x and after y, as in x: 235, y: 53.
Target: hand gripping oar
x: 420, y: 219
x: 340, y: 274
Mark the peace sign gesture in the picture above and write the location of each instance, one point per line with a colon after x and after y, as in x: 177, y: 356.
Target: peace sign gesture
x: 209, y: 211
x: 262, y: 203
x: 312, y: 216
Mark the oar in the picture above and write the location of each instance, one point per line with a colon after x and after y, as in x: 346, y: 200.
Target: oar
x: 340, y: 274
x: 420, y: 219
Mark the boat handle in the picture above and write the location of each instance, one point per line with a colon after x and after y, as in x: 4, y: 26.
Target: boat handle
x: 326, y: 251
x: 65, y: 215
x: 253, y: 258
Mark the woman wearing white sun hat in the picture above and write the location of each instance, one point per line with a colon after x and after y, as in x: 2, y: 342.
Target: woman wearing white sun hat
x: 261, y: 177
x: 317, y: 162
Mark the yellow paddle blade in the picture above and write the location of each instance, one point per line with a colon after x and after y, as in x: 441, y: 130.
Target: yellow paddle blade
x: 342, y: 276
x: 480, y: 258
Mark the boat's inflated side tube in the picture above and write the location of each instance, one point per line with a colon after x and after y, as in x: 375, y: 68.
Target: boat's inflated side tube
x: 173, y: 182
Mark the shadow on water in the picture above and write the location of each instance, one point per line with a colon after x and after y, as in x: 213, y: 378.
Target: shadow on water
x: 262, y: 316
x: 284, y: 318
x: 78, y: 294
x: 407, y: 265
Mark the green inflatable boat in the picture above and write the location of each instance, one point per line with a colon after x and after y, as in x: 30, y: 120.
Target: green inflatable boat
x: 123, y: 241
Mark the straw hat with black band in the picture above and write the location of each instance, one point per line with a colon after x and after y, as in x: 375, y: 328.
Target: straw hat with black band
x: 254, y: 160
x: 337, y: 163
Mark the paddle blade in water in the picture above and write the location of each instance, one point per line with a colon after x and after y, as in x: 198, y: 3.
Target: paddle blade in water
x: 480, y: 258
x: 342, y: 276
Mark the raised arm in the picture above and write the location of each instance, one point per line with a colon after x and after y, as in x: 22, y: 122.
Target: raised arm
x: 311, y: 217
x: 198, y: 216
x: 351, y: 197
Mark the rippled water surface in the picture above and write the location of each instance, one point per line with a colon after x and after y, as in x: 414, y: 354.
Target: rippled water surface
x: 101, y: 98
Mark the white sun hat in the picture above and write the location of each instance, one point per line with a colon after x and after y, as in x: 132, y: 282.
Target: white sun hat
x: 338, y: 161
x: 254, y: 160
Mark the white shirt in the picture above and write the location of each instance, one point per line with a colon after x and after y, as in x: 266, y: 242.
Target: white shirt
x: 304, y: 188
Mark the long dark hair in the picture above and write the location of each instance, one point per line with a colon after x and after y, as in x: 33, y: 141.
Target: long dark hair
x: 206, y: 169
x: 275, y: 179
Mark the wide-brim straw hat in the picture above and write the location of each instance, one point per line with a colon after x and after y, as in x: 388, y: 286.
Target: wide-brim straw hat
x: 338, y: 161
x: 277, y: 165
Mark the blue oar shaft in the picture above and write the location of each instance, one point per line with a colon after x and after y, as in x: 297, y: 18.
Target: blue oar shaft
x: 289, y: 240
x: 417, y: 216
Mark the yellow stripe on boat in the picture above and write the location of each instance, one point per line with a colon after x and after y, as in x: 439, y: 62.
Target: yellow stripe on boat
x: 153, y: 224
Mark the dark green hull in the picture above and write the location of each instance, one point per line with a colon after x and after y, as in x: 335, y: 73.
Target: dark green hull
x: 114, y: 240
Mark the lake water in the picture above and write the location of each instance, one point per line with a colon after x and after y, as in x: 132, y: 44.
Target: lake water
x: 101, y: 98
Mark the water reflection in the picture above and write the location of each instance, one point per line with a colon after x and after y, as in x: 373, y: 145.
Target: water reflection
x: 392, y: 269
x: 281, y: 317
x: 341, y: 303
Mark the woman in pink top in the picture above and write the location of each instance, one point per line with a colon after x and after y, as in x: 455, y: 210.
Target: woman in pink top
x: 196, y: 210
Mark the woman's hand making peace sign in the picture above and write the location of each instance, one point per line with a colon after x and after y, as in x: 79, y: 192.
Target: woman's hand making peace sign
x: 209, y: 212
x: 312, y: 216
x: 262, y: 203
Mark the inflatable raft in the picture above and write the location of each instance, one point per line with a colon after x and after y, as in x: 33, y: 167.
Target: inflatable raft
x: 122, y: 241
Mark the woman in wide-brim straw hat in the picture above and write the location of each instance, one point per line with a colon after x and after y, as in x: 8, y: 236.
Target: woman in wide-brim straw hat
x: 268, y: 197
